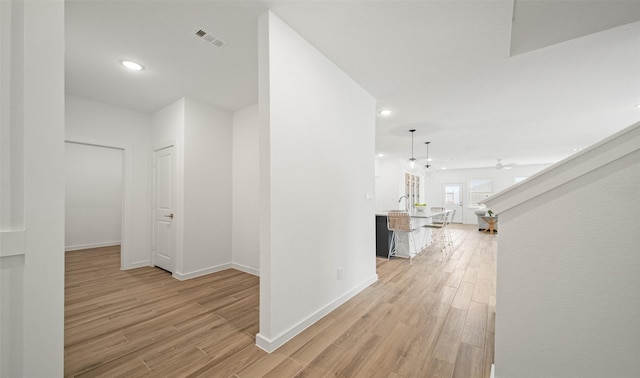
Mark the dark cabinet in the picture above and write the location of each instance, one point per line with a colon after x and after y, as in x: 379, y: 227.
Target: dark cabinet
x: 383, y: 236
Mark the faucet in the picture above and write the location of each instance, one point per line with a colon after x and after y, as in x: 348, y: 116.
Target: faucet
x: 406, y: 202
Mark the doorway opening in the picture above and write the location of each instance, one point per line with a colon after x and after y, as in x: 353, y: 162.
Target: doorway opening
x: 94, y: 196
x: 453, y: 200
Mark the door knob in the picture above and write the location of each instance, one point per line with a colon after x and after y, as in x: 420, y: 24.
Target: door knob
x: 169, y: 216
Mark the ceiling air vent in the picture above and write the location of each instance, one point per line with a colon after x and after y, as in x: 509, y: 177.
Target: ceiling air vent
x: 209, y: 38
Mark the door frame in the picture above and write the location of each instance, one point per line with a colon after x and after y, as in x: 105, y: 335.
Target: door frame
x: 177, y: 220
x: 462, y: 196
x: 126, y: 224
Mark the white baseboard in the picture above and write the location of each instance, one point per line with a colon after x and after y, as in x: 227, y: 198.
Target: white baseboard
x: 91, y: 245
x: 201, y: 272
x: 138, y: 264
x: 270, y: 345
x: 246, y: 269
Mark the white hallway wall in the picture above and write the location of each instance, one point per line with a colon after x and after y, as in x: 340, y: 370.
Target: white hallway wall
x: 105, y: 124
x: 102, y: 124
x: 246, y: 190
x: 207, y: 190
x: 568, y: 284
x: 390, y: 184
x: 168, y: 130
x: 31, y: 314
x: 317, y: 140
x: 93, y: 200
x: 202, y: 135
x: 32, y: 265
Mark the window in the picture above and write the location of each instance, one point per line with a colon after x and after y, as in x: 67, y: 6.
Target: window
x: 479, y: 189
x: 452, y: 195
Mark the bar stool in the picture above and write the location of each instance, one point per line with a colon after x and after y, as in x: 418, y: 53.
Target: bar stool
x: 442, y: 232
x: 399, y: 223
x: 437, y: 218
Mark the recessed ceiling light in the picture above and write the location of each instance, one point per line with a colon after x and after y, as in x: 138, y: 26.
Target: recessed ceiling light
x: 380, y: 155
x: 133, y: 66
x: 385, y: 112
x: 638, y: 106
x: 444, y: 168
x: 577, y: 149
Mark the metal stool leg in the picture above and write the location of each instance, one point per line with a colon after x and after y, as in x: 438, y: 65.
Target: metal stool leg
x: 392, y: 245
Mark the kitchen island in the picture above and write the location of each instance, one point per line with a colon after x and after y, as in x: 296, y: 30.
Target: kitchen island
x: 422, y: 236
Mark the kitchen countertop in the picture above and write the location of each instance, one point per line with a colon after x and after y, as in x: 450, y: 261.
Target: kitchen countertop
x: 417, y: 214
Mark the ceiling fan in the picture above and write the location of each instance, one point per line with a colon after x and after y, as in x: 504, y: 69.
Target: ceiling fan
x: 500, y: 165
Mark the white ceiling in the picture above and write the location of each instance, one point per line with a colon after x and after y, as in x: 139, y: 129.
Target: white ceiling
x: 445, y: 68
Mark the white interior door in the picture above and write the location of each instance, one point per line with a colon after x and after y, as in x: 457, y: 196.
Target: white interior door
x: 453, y: 200
x: 163, y: 202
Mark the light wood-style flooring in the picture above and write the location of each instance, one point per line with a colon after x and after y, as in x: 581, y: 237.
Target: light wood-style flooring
x: 429, y: 319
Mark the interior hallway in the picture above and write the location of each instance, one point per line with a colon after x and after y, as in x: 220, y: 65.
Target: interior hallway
x: 429, y: 319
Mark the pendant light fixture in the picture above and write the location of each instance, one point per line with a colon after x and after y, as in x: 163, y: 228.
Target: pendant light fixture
x: 412, y: 164
x: 429, y: 171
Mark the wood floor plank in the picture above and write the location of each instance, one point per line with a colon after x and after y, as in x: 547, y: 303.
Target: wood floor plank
x: 361, y: 329
x: 463, y: 296
x: 414, y: 361
x: 456, y: 278
x: 321, y: 365
x: 433, y: 318
x: 318, y: 344
x: 310, y: 342
x: 474, y: 331
x: 355, y: 359
x: 228, y: 366
x: 394, y: 346
x: 469, y: 362
x: 450, y: 338
x: 225, y: 344
x: 483, y: 290
x: 439, y: 369
x: 184, y: 363
x: 287, y: 368
x: 470, y: 275
x: 262, y: 365
x: 441, y: 307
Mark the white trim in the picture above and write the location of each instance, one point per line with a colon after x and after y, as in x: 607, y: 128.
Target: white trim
x: 201, y: 272
x: 164, y: 144
x: 269, y: 346
x: 615, y: 147
x: 139, y: 264
x: 493, y: 371
x: 89, y: 246
x: 246, y: 269
x: 12, y: 243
